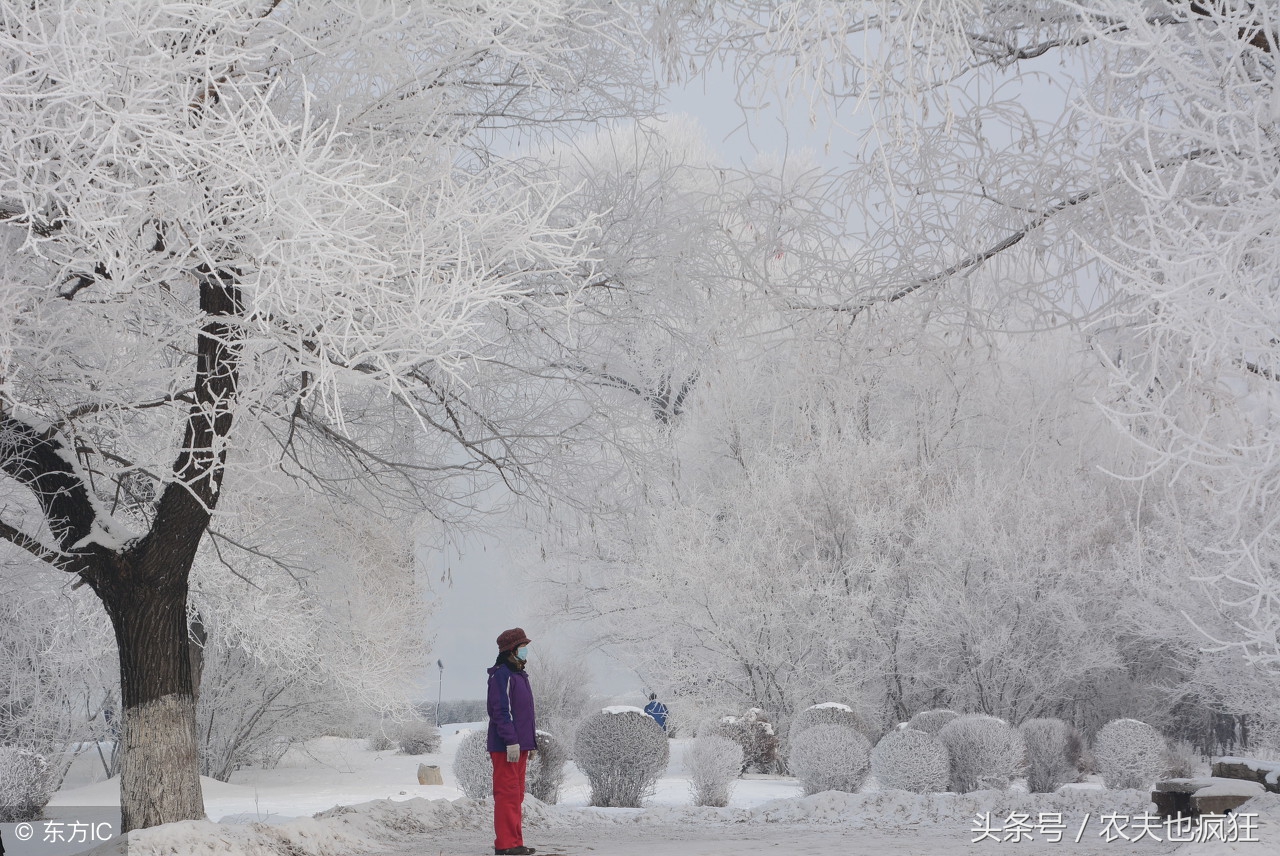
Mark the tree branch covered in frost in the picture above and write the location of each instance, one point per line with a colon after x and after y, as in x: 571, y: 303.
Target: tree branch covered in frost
x: 245, y: 239
x: 1164, y: 145
x: 865, y: 538
x: 295, y: 164
x: 316, y: 627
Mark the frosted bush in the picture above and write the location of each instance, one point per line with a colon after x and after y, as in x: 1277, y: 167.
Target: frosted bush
x: 713, y: 763
x: 543, y: 776
x: 622, y: 752
x: 932, y: 721
x: 1053, y: 754
x: 545, y: 773
x: 911, y: 760
x: 379, y: 742
x: 24, y: 784
x: 472, y: 768
x: 831, y: 713
x: 1182, y: 761
x: 985, y: 752
x: 830, y: 758
x: 1129, y: 754
x: 417, y: 737
x: 754, y: 733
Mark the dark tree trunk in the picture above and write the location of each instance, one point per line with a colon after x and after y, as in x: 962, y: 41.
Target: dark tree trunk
x: 144, y: 585
x: 159, y: 768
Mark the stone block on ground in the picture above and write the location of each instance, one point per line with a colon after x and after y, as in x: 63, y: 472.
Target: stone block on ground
x: 1266, y: 773
x: 1202, y: 795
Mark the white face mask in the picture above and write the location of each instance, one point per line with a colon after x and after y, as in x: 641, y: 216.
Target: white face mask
x: 522, y: 653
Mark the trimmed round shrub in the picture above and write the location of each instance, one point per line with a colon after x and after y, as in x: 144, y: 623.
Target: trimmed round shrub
x: 472, y: 769
x: 932, y: 721
x: 543, y: 776
x: 830, y: 758
x: 754, y: 733
x: 417, y: 737
x: 713, y: 763
x: 545, y: 773
x: 986, y: 752
x: 622, y: 751
x: 24, y: 784
x: 1129, y: 753
x: 832, y: 713
x: 1053, y: 754
x: 911, y: 760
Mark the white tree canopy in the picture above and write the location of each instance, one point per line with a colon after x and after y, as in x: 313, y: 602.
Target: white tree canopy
x: 248, y: 235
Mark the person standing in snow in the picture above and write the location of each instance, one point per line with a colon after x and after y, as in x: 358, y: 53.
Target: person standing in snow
x: 657, y: 710
x: 512, y: 739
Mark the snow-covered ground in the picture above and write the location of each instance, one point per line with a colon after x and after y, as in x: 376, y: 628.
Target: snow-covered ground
x: 371, y: 803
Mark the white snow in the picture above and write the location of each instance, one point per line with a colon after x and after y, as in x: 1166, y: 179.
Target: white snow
x: 623, y: 708
x: 1270, y: 768
x: 1215, y: 786
x: 831, y: 705
x: 369, y: 804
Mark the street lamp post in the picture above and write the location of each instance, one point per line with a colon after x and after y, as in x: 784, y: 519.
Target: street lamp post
x: 439, y: 690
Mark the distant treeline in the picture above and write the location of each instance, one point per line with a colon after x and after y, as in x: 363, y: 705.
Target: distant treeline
x: 466, y: 710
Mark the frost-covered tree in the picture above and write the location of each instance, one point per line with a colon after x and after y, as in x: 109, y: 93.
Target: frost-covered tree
x: 325, y: 632
x: 847, y: 526
x: 58, y: 675
x: 240, y: 235
x: 1139, y: 192
x: 564, y: 693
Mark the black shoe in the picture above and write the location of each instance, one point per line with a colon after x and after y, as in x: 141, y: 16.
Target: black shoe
x: 515, y: 851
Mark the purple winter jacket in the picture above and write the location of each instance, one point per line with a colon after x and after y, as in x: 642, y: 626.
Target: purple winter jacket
x: 510, y: 710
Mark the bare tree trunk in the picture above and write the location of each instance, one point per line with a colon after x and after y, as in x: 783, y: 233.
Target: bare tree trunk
x: 159, y: 770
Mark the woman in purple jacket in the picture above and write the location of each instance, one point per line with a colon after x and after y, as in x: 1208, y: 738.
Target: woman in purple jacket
x: 512, y: 739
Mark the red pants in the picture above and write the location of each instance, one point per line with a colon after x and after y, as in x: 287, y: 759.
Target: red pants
x: 508, y: 796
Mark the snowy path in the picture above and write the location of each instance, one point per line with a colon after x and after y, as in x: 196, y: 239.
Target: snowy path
x: 780, y: 839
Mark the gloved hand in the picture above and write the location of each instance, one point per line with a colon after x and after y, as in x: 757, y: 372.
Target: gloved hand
x: 513, y: 753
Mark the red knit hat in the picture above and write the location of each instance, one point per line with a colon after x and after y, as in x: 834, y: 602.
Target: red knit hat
x: 511, y: 639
